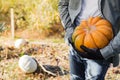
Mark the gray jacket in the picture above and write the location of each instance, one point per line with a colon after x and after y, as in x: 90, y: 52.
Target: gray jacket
x: 110, y: 9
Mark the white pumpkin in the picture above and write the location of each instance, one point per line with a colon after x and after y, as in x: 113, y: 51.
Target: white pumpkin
x: 27, y: 64
x: 20, y: 42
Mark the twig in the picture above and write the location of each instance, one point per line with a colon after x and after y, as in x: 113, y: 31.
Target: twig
x: 46, y: 70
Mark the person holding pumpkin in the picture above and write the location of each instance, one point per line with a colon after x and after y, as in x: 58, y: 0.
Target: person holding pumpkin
x: 86, y: 61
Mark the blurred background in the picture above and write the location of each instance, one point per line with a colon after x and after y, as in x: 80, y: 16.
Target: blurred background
x: 39, y: 17
x: 33, y: 27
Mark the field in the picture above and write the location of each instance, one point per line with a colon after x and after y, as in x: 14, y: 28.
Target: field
x: 50, y: 53
x: 39, y: 22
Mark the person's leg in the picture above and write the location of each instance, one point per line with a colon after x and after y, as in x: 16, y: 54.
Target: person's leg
x: 77, y: 68
x: 96, y: 70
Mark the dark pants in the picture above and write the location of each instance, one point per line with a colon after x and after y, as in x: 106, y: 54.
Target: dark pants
x: 86, y: 69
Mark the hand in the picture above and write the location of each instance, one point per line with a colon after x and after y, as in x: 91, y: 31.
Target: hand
x: 94, y: 54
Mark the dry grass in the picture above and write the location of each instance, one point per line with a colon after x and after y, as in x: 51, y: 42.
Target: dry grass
x: 54, y: 54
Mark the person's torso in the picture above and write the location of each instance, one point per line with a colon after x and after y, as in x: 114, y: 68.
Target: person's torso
x: 110, y: 10
x: 88, y: 8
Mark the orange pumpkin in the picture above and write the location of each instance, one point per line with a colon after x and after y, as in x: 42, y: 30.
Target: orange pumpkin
x: 95, y: 32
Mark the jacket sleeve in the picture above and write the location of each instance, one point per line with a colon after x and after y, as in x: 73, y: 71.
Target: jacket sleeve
x: 112, y: 8
x: 112, y: 49
x: 65, y: 19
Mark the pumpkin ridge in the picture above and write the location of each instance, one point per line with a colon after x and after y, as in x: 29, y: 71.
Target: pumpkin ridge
x: 84, y: 23
x: 104, y: 27
x: 82, y: 38
x: 74, y: 37
x: 103, y: 22
x: 104, y: 42
x: 103, y: 34
x: 88, y: 40
x: 93, y: 40
x: 89, y: 21
x: 95, y: 20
